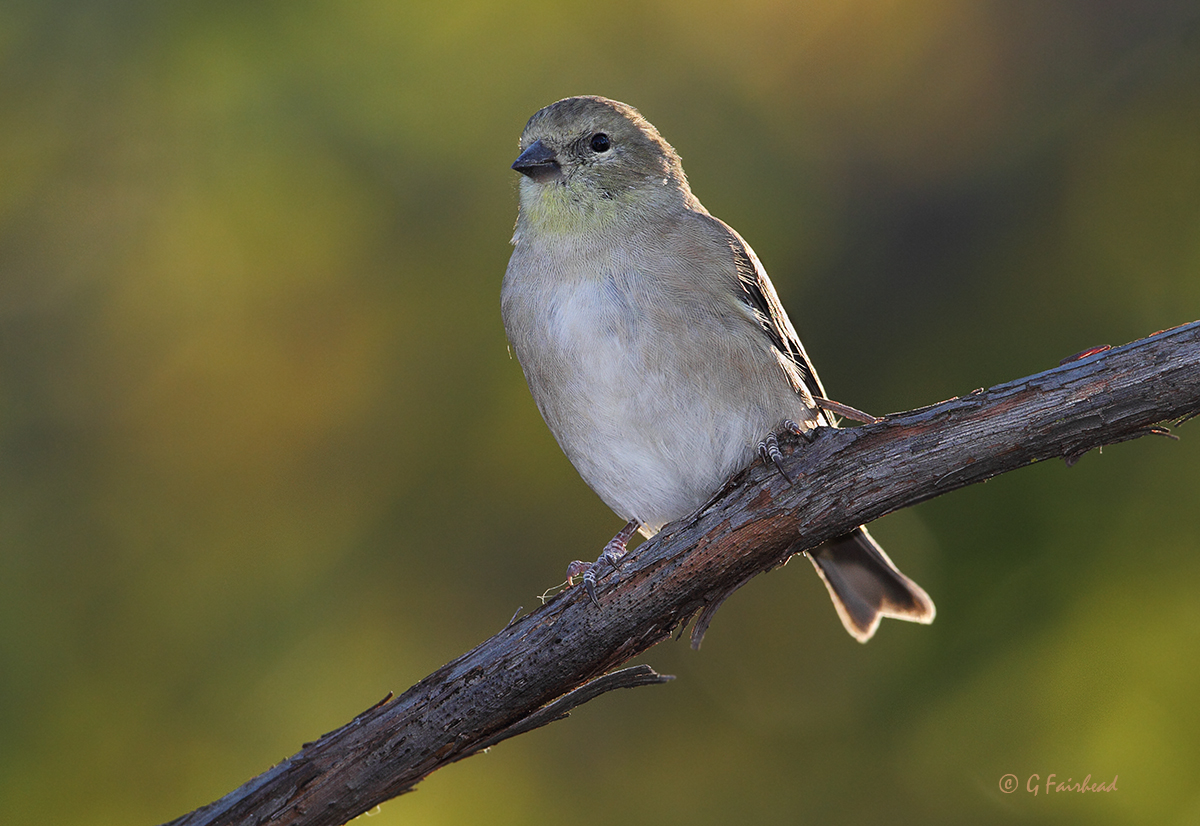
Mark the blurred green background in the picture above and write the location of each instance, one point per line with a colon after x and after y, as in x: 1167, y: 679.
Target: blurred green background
x: 264, y: 456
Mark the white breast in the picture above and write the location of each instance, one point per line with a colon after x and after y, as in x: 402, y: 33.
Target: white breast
x: 654, y: 406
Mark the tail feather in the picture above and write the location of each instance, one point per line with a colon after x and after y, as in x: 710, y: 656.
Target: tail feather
x: 865, y: 586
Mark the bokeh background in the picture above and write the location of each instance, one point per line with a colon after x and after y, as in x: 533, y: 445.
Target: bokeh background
x: 264, y: 456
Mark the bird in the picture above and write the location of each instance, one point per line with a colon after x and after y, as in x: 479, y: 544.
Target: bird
x: 655, y: 345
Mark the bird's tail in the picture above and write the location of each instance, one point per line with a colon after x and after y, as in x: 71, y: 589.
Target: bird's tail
x: 865, y: 586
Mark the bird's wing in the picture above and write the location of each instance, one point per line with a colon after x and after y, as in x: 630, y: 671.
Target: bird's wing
x: 758, y: 293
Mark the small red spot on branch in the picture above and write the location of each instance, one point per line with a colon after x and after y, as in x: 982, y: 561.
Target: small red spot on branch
x: 1170, y: 329
x: 1082, y: 354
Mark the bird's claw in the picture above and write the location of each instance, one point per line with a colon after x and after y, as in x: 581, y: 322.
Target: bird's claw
x: 589, y: 585
x: 613, y: 552
x: 769, y: 450
x: 808, y: 434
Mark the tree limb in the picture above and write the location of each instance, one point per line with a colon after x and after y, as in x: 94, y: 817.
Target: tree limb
x: 555, y: 658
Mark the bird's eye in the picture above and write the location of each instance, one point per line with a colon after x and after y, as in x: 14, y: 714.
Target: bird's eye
x: 600, y: 142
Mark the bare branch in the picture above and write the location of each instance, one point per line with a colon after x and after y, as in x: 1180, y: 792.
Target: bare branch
x: 525, y: 676
x: 633, y: 677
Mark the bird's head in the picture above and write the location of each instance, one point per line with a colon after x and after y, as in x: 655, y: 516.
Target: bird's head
x: 588, y: 161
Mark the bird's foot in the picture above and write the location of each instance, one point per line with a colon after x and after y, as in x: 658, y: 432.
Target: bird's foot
x: 769, y: 450
x: 612, y: 554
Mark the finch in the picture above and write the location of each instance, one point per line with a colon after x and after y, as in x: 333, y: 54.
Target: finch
x: 655, y: 346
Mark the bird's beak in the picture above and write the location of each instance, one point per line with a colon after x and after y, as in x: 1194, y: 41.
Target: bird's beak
x: 539, y: 163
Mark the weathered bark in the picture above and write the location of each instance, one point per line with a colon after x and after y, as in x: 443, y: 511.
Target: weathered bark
x: 551, y: 660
